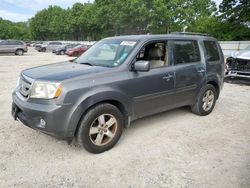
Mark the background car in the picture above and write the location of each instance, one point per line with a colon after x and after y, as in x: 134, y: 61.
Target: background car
x: 238, y: 65
x: 37, y: 45
x: 50, y: 46
x: 61, y: 50
x: 77, y: 51
x: 13, y: 46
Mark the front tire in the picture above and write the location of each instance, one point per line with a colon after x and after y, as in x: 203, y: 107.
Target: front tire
x: 100, y: 128
x: 206, y: 101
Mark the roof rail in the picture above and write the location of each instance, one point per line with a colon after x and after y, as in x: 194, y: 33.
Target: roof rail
x: 190, y: 33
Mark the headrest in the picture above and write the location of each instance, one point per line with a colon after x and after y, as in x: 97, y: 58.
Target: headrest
x: 155, y: 52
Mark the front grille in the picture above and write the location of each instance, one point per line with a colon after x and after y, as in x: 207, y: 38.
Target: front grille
x: 25, y: 84
x: 239, y: 64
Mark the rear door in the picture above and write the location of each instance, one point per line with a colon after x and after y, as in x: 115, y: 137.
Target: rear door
x: 12, y: 46
x: 5, y: 47
x: 189, y: 70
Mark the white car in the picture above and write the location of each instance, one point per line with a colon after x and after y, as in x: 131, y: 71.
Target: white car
x: 238, y: 65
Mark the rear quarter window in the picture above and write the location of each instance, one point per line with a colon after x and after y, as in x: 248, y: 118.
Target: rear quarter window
x: 212, y: 51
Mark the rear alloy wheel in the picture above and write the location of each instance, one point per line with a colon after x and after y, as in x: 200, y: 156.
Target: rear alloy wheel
x: 100, y: 128
x: 205, y: 101
x: 43, y: 50
x: 19, y: 52
x: 208, y: 100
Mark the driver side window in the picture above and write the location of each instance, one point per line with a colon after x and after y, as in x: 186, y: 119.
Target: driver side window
x: 155, y: 53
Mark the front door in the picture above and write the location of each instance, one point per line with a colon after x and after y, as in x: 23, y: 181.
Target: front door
x: 152, y: 91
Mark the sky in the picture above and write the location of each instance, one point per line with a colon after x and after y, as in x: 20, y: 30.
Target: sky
x: 22, y: 10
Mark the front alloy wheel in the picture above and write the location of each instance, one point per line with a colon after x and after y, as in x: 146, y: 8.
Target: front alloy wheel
x: 103, y: 129
x: 100, y: 128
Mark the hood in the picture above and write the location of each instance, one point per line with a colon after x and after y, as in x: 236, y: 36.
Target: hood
x: 62, y: 71
x: 243, y: 54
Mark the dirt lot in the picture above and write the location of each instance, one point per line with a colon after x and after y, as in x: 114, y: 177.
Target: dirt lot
x: 171, y: 149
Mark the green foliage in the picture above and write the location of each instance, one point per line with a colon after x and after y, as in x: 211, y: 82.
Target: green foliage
x: 104, y: 18
x: 10, y: 30
x: 237, y: 11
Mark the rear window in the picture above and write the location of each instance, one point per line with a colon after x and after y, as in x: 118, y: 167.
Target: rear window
x: 212, y: 52
x: 186, y: 52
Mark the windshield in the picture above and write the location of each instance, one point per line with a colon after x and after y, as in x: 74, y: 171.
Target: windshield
x: 248, y: 47
x: 107, y: 53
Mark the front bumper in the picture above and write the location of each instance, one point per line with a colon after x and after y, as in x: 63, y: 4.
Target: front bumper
x: 238, y: 74
x: 51, y: 119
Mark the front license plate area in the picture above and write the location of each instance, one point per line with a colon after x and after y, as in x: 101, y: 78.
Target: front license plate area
x: 14, y: 111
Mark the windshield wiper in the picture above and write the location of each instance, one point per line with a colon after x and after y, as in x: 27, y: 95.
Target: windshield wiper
x: 85, y: 63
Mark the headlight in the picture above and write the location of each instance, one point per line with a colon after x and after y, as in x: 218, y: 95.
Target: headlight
x: 45, y: 90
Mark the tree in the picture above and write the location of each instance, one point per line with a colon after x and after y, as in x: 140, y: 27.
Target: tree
x: 237, y: 11
x: 49, y: 24
x: 10, y: 30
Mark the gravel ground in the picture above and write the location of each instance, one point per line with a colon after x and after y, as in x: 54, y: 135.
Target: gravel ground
x: 171, y: 149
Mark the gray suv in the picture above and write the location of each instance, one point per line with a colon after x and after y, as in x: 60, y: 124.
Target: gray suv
x: 49, y: 46
x: 13, y: 46
x: 116, y: 81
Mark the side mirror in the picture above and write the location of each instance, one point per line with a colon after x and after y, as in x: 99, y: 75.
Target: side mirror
x: 141, y: 66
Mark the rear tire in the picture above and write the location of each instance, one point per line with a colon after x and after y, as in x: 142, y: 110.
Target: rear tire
x: 43, y: 50
x: 19, y: 52
x: 205, y: 101
x: 100, y: 128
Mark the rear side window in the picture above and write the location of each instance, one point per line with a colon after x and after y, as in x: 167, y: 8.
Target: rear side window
x: 212, y: 52
x: 15, y: 43
x: 186, y: 52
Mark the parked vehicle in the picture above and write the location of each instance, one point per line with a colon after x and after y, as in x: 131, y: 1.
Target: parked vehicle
x: 61, y: 50
x: 238, y: 65
x: 76, y: 51
x: 118, y: 80
x: 48, y: 46
x: 13, y: 46
x: 38, y: 45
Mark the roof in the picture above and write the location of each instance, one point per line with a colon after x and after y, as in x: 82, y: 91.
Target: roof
x: 163, y: 36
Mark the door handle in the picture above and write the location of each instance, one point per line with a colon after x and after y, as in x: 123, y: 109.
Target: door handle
x: 201, y: 71
x: 167, y: 77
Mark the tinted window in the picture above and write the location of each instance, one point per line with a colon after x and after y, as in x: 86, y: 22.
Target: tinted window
x: 212, y: 52
x: 12, y: 42
x: 186, y: 52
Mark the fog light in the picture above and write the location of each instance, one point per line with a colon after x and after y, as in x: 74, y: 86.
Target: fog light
x: 42, y: 123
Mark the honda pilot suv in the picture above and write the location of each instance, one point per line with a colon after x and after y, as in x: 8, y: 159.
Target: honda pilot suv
x: 117, y: 81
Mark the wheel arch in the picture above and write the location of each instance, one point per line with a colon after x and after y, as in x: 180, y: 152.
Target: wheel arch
x: 91, y: 101
x: 216, y: 86
x: 18, y: 50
